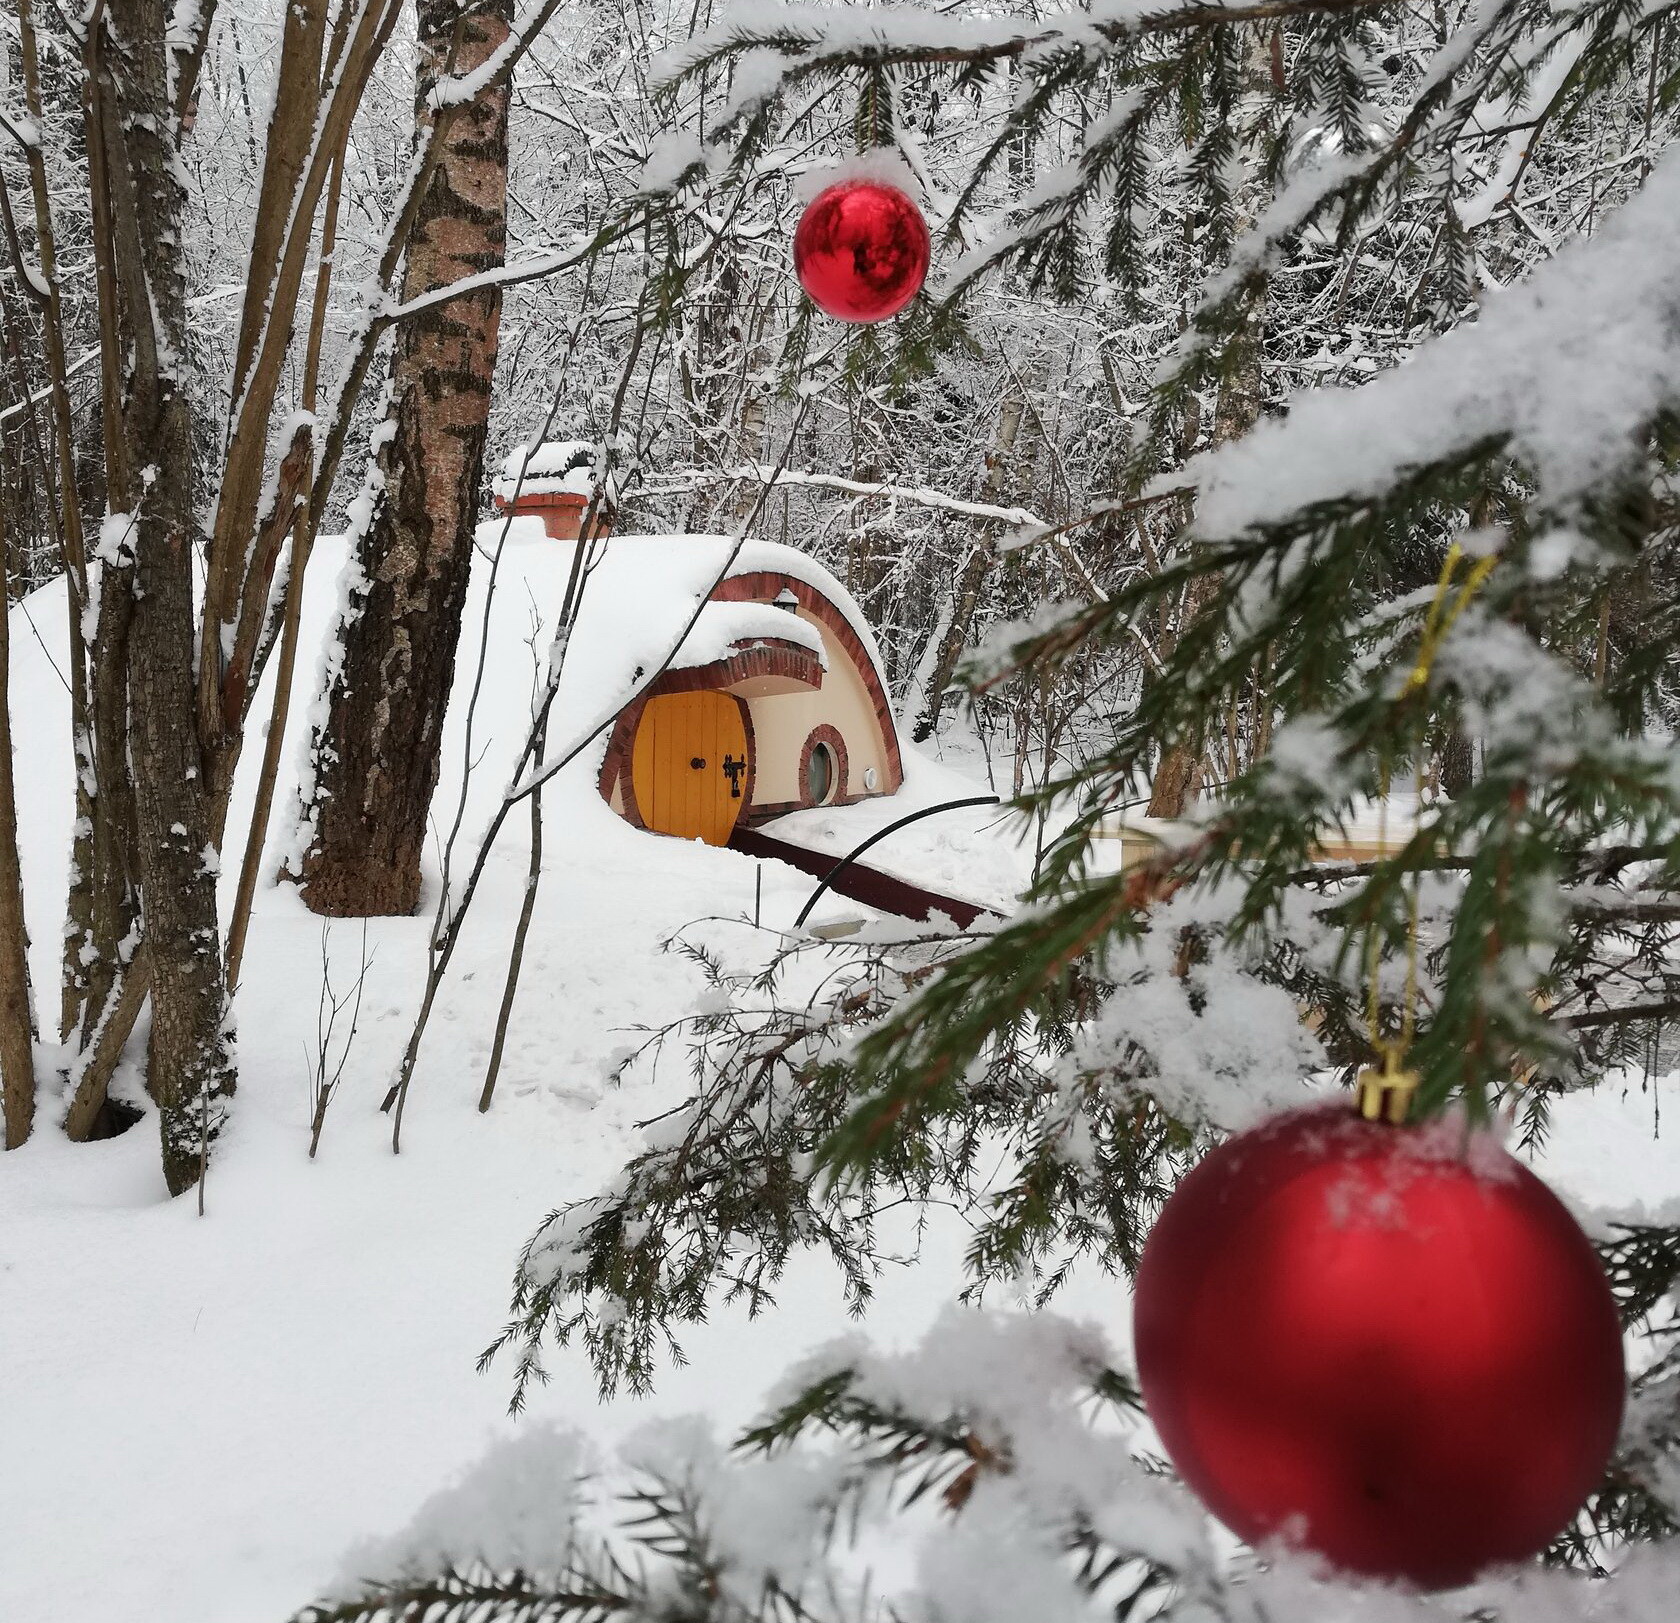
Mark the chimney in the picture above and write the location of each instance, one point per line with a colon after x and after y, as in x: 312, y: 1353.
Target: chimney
x: 553, y: 482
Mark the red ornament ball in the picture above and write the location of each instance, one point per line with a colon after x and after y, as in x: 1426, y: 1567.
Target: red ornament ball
x: 861, y: 251
x: 1391, y: 1347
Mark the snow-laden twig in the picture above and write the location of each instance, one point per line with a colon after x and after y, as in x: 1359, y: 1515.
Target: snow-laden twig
x: 889, y: 35
x: 916, y: 495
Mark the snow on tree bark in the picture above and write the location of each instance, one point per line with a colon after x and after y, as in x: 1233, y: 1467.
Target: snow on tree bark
x: 17, y: 1026
x: 377, y: 756
x: 966, y: 594
x: 189, y: 1068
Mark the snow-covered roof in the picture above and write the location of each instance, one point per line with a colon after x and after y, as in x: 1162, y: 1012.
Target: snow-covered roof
x: 641, y: 593
x: 726, y: 628
x: 559, y: 466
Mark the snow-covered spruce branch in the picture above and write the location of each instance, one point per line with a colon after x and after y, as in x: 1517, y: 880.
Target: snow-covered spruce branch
x: 889, y: 36
x: 727, y: 1187
x: 1557, y: 780
x: 1379, y: 474
x: 1000, y: 1454
x: 1055, y: 1144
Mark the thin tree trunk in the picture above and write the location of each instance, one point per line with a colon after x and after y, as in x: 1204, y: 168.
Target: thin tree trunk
x: 111, y: 878
x: 303, y: 541
x: 1178, y: 777
x: 869, y: 554
x: 1458, y: 762
x: 290, y: 131
x: 976, y: 572
x: 103, y: 1049
x: 17, y: 1019
x: 81, y: 938
x: 189, y: 1068
x: 103, y: 905
x: 377, y: 757
x: 516, y: 954
x: 965, y: 599
x: 243, y: 545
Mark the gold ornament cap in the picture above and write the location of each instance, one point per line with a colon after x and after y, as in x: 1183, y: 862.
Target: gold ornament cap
x: 1386, y: 1094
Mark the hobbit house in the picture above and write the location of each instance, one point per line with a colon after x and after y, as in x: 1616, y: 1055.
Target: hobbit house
x: 772, y: 702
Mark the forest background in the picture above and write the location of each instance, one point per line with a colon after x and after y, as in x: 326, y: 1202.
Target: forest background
x: 1154, y: 230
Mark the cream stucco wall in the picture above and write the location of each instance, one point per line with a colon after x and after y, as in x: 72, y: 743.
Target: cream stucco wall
x: 782, y: 723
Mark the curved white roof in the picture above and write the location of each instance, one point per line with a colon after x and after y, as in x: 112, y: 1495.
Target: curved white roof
x: 640, y: 596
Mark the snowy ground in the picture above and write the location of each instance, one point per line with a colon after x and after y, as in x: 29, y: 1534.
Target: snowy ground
x: 199, y: 1418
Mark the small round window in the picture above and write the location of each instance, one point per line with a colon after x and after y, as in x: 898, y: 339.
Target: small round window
x: 820, y: 774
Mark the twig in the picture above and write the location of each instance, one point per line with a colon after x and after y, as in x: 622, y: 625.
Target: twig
x: 303, y: 537
x: 516, y: 956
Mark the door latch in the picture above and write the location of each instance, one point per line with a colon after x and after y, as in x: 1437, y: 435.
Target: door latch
x: 733, y: 768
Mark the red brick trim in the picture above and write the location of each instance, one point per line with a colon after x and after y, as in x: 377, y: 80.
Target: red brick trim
x: 615, y: 764
x: 780, y: 808
x: 530, y: 501
x: 749, y: 780
x: 824, y: 734
x: 766, y: 656
x: 764, y: 586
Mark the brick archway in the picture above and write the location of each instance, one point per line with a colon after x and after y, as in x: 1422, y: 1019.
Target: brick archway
x: 790, y: 660
x: 765, y: 586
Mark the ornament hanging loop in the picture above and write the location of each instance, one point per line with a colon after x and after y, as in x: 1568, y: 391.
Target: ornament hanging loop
x: 1385, y: 1093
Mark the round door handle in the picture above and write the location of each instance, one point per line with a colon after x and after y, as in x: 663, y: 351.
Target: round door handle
x: 698, y: 762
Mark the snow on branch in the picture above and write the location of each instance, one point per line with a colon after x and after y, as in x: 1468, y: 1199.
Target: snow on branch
x: 43, y: 394
x: 916, y: 495
x: 1568, y: 369
x: 836, y: 35
x: 22, y: 129
x: 461, y: 88
x: 997, y: 1461
x: 533, y: 268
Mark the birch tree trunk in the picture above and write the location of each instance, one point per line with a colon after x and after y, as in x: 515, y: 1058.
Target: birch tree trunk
x: 377, y: 756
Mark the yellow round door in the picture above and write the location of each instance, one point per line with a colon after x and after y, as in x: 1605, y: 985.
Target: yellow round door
x: 689, y: 765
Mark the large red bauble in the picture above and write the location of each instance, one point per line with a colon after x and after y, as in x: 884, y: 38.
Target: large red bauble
x: 861, y: 250
x: 1391, y: 1347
